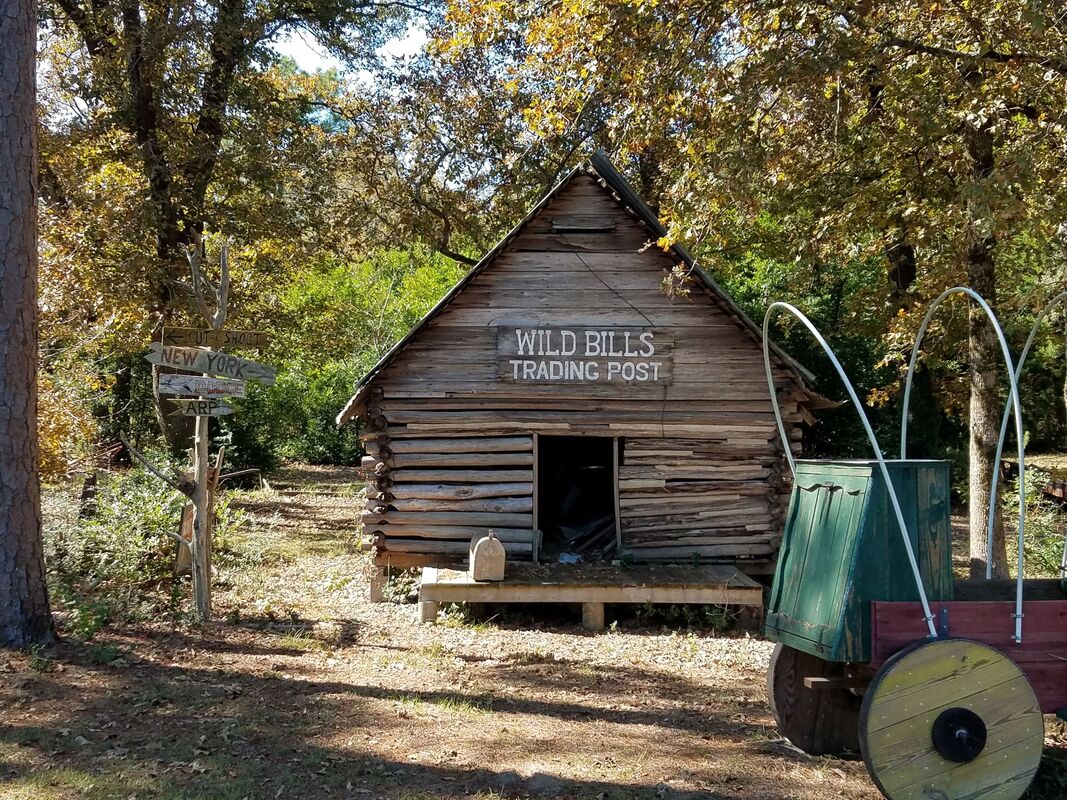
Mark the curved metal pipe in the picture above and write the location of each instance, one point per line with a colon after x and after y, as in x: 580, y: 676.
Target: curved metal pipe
x: 1055, y: 301
x: 1012, y: 380
x: 929, y: 617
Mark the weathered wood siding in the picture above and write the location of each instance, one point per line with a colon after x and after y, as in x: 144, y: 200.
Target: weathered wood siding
x: 451, y: 445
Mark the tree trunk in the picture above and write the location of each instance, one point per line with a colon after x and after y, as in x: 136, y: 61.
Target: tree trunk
x: 985, y: 357
x: 24, y: 612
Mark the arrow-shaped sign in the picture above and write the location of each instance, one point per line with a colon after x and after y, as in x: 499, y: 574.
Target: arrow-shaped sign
x: 196, y: 360
x: 200, y: 386
x: 179, y: 337
x: 202, y: 408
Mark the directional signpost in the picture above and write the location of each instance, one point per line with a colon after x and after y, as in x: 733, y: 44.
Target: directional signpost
x: 194, y: 350
x: 200, y: 360
x: 200, y: 386
x: 202, y: 408
x: 195, y: 337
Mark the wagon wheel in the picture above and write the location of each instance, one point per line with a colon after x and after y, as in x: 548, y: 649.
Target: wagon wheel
x: 951, y: 718
x: 818, y: 721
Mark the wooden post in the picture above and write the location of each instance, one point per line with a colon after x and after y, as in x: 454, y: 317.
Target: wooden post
x: 174, y: 351
x: 201, y: 549
x: 615, y: 463
x: 204, y: 476
x: 593, y: 616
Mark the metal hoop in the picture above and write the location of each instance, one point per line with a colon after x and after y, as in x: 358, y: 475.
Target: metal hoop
x: 1055, y: 301
x: 929, y: 617
x: 1014, y: 401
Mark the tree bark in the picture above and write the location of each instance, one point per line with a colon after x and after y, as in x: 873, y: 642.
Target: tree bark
x: 985, y: 357
x: 24, y: 613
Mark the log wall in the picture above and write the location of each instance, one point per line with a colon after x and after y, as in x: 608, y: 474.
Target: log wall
x: 451, y: 447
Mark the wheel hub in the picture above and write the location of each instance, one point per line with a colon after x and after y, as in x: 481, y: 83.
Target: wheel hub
x: 959, y: 735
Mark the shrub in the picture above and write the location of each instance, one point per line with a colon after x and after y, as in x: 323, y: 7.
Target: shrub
x: 119, y: 562
x: 1045, y: 526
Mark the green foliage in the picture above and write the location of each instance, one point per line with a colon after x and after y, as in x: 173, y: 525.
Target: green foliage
x: 700, y: 617
x: 1046, y: 526
x: 336, y: 320
x: 118, y: 563
x: 1050, y: 783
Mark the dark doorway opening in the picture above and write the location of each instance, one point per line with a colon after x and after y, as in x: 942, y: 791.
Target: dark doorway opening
x: 576, y: 497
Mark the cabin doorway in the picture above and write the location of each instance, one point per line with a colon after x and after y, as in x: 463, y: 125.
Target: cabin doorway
x: 577, y: 489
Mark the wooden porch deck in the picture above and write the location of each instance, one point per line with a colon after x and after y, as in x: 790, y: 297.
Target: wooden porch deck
x: 592, y: 586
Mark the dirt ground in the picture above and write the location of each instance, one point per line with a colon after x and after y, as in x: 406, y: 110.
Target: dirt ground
x: 304, y: 689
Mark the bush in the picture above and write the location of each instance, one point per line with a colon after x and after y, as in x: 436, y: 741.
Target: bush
x: 335, y: 320
x: 1045, y: 527
x: 119, y: 562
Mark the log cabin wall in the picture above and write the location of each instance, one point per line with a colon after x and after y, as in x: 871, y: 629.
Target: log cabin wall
x: 451, y: 437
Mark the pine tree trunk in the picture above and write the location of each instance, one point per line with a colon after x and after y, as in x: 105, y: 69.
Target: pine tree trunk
x: 24, y: 612
x: 985, y: 360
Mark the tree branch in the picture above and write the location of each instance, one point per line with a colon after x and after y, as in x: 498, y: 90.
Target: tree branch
x: 145, y: 124
x: 96, y: 42
x: 893, y: 39
x: 182, y: 485
x: 226, y: 48
x: 195, y: 255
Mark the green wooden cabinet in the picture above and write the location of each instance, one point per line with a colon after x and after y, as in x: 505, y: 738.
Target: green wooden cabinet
x: 842, y: 549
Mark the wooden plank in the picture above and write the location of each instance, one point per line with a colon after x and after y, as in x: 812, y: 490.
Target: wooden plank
x: 195, y: 337
x: 473, y: 518
x: 484, y: 444
x: 383, y: 558
x: 570, y: 223
x: 399, y: 461
x: 202, y: 408
x: 687, y: 552
x: 409, y: 476
x: 505, y: 592
x: 195, y: 359
x: 508, y: 505
x: 449, y: 548
x: 462, y: 533
x: 442, y: 491
x: 200, y: 386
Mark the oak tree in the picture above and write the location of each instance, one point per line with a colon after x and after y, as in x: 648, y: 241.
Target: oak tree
x: 929, y: 135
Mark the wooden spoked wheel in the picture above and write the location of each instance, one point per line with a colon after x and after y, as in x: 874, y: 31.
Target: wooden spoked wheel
x: 951, y: 719
x: 819, y: 721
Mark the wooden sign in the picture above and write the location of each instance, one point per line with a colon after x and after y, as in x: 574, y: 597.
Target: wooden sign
x: 202, y: 408
x: 194, y: 337
x: 577, y: 354
x: 196, y: 360
x: 199, y: 386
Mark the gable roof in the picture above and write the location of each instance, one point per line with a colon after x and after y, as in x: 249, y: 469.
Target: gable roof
x: 598, y: 166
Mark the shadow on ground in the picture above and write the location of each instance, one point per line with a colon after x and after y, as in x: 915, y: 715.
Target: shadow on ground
x: 161, y: 729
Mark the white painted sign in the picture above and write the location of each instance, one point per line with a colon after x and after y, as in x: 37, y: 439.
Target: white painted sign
x: 200, y: 387
x: 196, y: 360
x: 202, y: 408
x: 574, y: 354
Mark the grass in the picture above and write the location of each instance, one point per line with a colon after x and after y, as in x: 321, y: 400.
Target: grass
x: 459, y: 615
x: 302, y: 641
x: 453, y: 704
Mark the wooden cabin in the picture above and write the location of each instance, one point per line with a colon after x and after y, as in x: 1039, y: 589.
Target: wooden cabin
x: 561, y: 397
